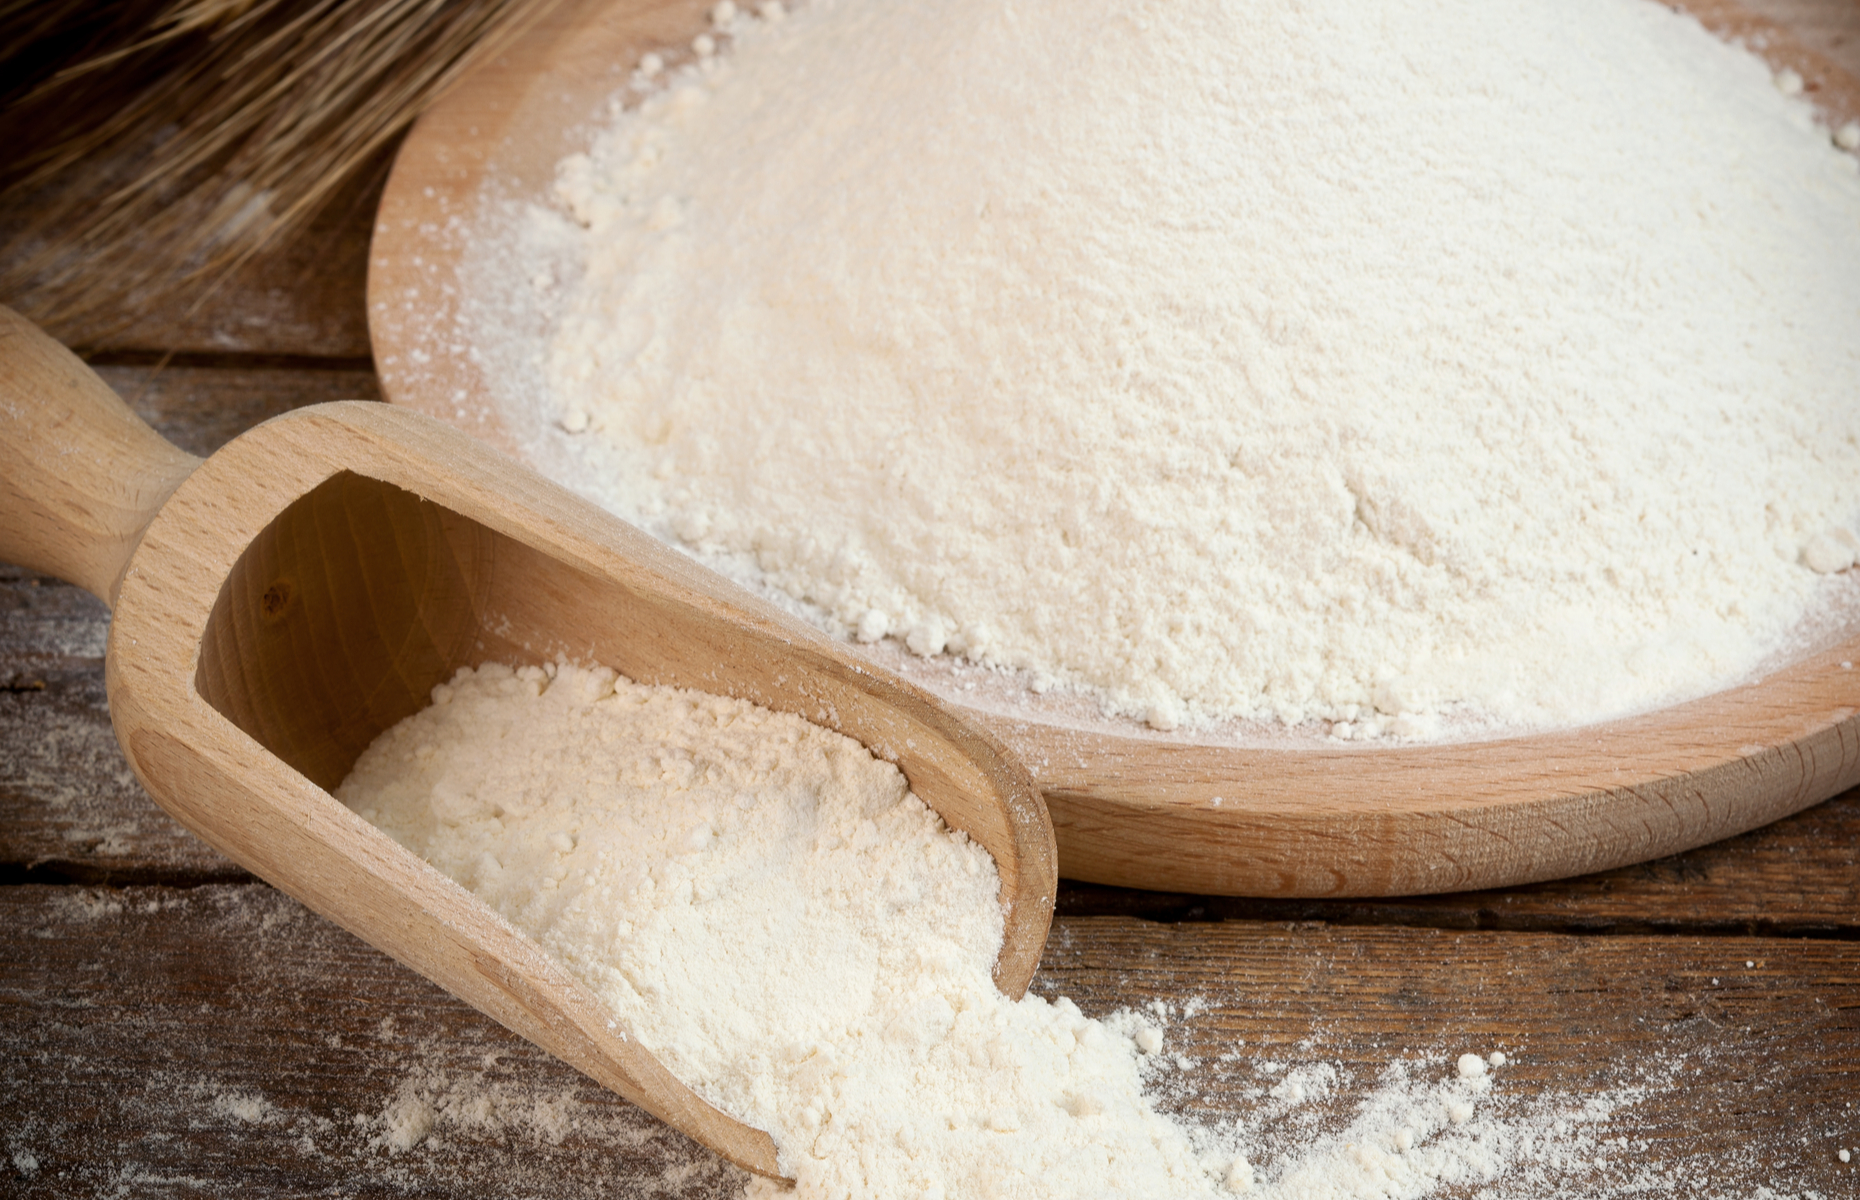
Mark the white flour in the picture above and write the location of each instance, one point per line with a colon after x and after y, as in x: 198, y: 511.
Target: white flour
x: 796, y: 936
x: 1305, y: 361
x: 778, y: 919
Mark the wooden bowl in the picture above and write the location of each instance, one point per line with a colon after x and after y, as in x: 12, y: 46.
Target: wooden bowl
x: 1132, y: 807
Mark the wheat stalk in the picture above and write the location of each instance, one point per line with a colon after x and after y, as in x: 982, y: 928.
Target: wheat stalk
x: 207, y: 127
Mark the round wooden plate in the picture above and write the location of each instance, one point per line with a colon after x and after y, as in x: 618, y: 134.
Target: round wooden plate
x: 1291, y: 818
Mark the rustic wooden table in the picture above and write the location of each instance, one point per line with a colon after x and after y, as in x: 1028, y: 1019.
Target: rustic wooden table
x: 171, y: 1027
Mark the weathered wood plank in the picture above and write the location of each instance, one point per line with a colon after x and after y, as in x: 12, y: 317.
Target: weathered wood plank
x: 300, y: 297
x: 224, y: 1041
x: 201, y: 409
x: 1742, y: 1054
x: 69, y: 806
x: 221, y: 1040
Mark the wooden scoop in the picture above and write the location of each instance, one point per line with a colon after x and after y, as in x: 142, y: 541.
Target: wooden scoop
x: 278, y: 605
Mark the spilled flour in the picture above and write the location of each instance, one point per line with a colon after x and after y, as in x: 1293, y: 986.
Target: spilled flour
x: 413, y: 1095
x: 1319, y: 362
x: 780, y: 921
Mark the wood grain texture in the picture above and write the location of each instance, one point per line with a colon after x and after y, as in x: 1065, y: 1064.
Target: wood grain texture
x: 70, y: 808
x: 1733, y: 1093
x: 223, y: 1040
x: 294, y: 298
x: 1204, y: 814
x: 200, y: 409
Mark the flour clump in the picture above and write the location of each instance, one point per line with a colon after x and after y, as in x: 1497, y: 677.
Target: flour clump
x: 1340, y: 362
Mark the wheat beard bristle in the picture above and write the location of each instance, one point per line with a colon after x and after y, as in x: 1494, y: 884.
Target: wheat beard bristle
x: 156, y: 146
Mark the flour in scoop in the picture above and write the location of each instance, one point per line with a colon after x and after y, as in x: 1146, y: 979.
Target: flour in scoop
x: 1337, y: 361
x: 780, y: 921
x: 777, y: 918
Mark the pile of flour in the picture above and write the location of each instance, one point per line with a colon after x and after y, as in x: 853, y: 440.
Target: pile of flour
x: 1313, y: 361
x: 779, y: 920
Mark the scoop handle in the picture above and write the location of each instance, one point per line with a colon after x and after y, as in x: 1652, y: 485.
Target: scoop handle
x: 81, y: 476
